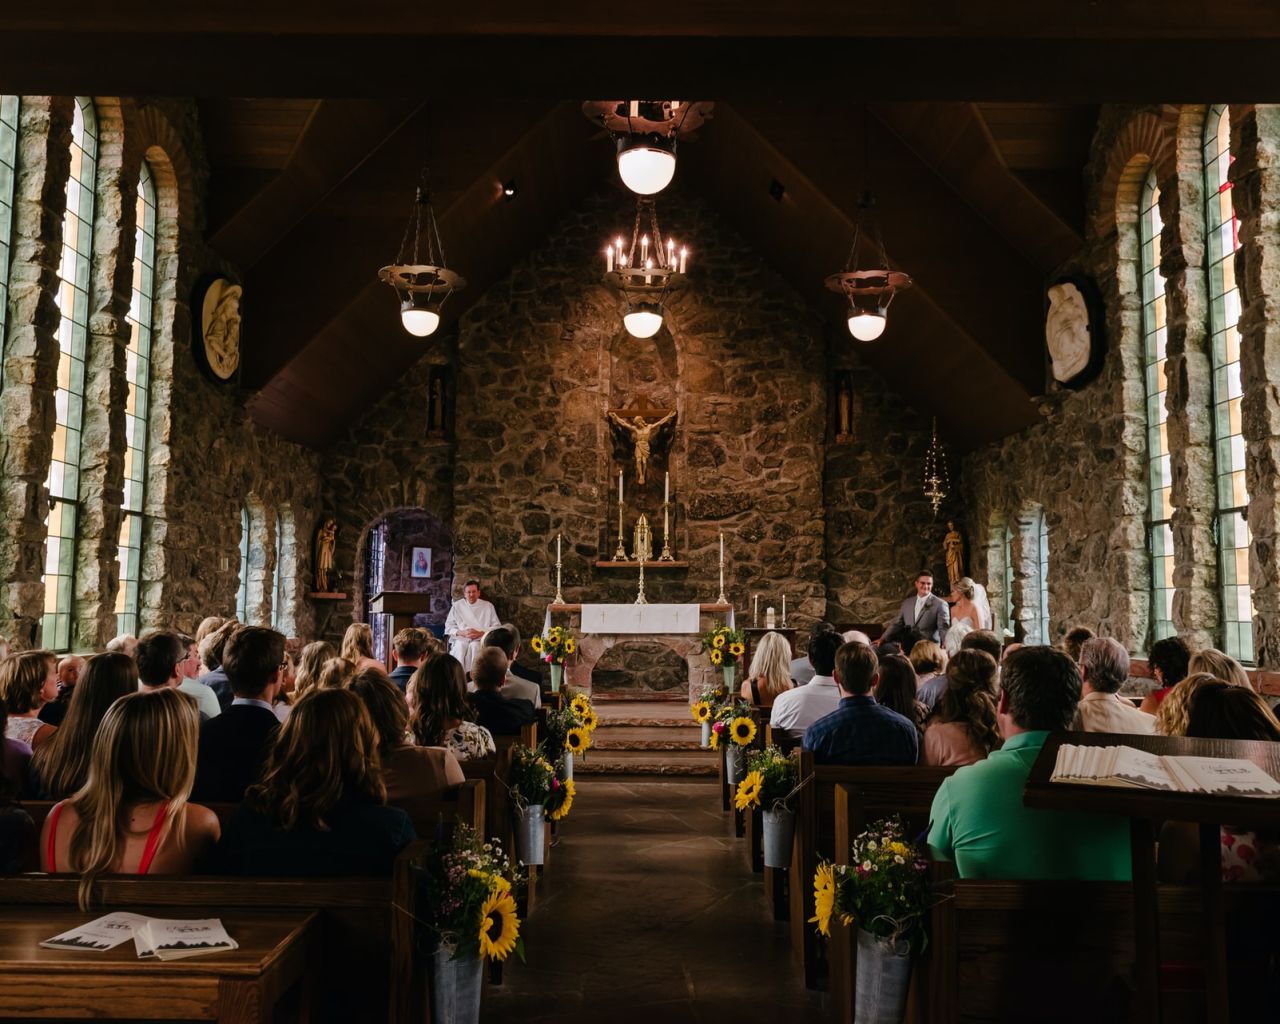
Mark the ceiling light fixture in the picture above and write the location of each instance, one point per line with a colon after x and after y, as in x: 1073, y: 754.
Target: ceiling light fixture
x: 645, y: 133
x: 509, y: 190
x: 869, y: 286
x: 423, y: 285
x: 936, y: 480
x: 645, y: 270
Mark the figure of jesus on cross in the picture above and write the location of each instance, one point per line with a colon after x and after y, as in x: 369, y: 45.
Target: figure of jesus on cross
x: 641, y: 434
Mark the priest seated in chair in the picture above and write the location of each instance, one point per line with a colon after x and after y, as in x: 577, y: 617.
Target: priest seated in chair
x: 469, y: 619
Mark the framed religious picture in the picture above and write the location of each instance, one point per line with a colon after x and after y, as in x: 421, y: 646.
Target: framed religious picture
x: 1073, y: 331
x: 215, y: 309
x: 421, y: 567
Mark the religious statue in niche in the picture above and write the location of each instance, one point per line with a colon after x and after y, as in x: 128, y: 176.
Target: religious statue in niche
x: 844, y: 407
x: 326, y: 541
x: 953, y: 551
x: 437, y: 385
x: 643, y: 436
x: 1073, y: 331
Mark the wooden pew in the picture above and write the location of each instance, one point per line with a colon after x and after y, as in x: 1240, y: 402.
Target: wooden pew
x: 872, y: 792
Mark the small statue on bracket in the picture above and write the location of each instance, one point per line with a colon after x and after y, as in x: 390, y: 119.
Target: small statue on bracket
x: 326, y: 541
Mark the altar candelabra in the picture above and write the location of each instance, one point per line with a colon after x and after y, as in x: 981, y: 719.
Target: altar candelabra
x: 722, y: 599
x: 643, y: 547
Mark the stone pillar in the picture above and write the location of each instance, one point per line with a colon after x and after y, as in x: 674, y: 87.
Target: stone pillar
x: 1026, y: 577
x: 1255, y: 176
x: 1189, y: 399
x: 31, y: 360
x: 103, y: 441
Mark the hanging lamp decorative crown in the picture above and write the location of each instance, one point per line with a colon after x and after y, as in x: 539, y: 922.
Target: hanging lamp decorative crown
x: 422, y: 282
x: 936, y: 481
x: 645, y: 271
x: 866, y: 280
x: 645, y: 133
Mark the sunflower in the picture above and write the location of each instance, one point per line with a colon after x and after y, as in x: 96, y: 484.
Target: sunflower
x: 566, y: 803
x: 499, y: 926
x: 715, y: 740
x: 716, y: 657
x: 737, y: 649
x: 743, y: 730
x: 701, y: 711
x: 580, y: 705
x: 536, y: 643
x: 589, y: 719
x: 748, y: 794
x: 718, y: 642
x: 570, y: 645
x: 577, y: 740
x: 824, y: 897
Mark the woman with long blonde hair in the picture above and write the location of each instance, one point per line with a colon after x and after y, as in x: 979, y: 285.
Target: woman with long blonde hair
x: 1219, y: 665
x: 1174, y: 714
x: 770, y: 672
x: 357, y: 647
x: 131, y: 816
x: 310, y: 663
x: 320, y: 808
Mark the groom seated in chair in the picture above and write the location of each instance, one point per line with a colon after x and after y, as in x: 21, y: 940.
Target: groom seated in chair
x: 924, y: 612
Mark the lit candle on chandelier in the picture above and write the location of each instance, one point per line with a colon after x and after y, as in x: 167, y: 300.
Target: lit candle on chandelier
x: 684, y: 258
x: 608, y: 256
x: 671, y: 255
x: 648, y: 265
x: 644, y: 248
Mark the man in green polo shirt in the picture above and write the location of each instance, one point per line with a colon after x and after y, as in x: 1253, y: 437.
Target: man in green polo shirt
x: 978, y: 820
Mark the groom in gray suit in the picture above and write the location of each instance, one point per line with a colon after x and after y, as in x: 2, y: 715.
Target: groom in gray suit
x: 926, y: 613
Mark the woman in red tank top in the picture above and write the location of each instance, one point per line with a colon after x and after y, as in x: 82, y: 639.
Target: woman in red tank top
x: 140, y: 773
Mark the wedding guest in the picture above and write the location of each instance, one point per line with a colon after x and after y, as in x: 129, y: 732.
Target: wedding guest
x: 189, y: 680
x: 415, y: 777
x: 800, y: 707
x: 1220, y: 666
x: 336, y: 673
x: 963, y: 728
x: 1173, y: 717
x: 982, y: 640
x: 207, y: 625
x: 930, y: 662
x: 68, y: 671
x: 234, y: 746
x: 770, y: 672
x: 439, y: 715
x: 280, y: 703
x: 310, y: 665
x: 158, y: 656
x: 1223, y: 711
x: 978, y: 818
x: 924, y: 611
x: 28, y: 681
x: 1074, y: 641
x: 1169, y: 660
x: 1104, y: 666
x: 861, y: 731
x: 320, y: 808
x: 211, y: 651
x: 507, y: 639
x: 132, y: 815
x: 500, y: 715
x: 1008, y: 650
x: 411, y: 647
x: 17, y: 831
x: 126, y: 643
x: 802, y: 669
x: 856, y: 636
x: 357, y: 647
x: 61, y: 766
x: 896, y: 690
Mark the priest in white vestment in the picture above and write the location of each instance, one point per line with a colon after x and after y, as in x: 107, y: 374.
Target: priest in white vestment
x: 470, y: 618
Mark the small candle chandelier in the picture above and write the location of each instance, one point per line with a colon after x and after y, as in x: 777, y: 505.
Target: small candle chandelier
x: 423, y: 282
x: 867, y: 280
x: 935, y: 471
x: 645, y: 271
x: 645, y: 133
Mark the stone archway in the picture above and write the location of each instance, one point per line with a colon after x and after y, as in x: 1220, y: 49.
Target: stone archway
x: 385, y: 561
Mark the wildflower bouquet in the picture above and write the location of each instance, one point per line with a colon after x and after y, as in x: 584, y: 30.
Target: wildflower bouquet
x: 883, y: 889
x: 724, y: 646
x: 531, y: 776
x: 771, y: 777
x: 554, y: 645
x: 467, y: 899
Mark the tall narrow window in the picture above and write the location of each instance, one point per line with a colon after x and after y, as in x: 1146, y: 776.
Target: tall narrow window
x: 1042, y: 566
x: 8, y: 177
x: 1159, y: 472
x: 242, y: 595
x: 139, y: 379
x: 1007, y: 543
x: 73, y: 306
x: 377, y: 577
x: 1224, y: 319
x: 277, y: 592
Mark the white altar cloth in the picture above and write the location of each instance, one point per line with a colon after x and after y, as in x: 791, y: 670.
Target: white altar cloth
x: 641, y: 618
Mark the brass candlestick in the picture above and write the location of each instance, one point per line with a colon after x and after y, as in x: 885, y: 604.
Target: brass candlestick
x: 640, y: 556
x: 621, y: 554
x: 559, y: 598
x: 666, y: 555
x: 722, y: 599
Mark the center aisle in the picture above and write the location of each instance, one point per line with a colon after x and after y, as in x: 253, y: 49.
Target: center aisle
x: 651, y: 912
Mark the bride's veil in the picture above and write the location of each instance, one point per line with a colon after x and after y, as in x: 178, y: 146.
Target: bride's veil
x: 983, y: 605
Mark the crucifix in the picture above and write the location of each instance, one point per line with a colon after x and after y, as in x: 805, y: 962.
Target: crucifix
x: 640, y: 428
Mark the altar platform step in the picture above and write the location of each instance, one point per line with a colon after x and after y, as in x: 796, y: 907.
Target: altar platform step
x: 647, y: 736
x: 648, y: 739
x: 665, y: 763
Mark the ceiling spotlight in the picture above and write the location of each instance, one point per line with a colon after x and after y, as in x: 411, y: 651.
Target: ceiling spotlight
x: 509, y: 190
x: 777, y: 190
x: 646, y: 132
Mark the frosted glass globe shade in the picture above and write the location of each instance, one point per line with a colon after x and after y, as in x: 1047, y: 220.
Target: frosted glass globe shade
x: 646, y: 170
x: 866, y: 325
x: 419, y: 322
x: 642, y: 323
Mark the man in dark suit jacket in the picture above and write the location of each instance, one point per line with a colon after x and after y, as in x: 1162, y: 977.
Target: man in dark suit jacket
x: 502, y: 716
x: 924, y: 612
x: 234, y: 746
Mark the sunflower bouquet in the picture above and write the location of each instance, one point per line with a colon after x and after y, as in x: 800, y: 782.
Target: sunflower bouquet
x: 723, y: 645
x: 569, y: 728
x: 883, y: 889
x: 467, y: 897
x: 531, y: 777
x: 554, y: 645
x: 771, y: 779
x: 732, y: 723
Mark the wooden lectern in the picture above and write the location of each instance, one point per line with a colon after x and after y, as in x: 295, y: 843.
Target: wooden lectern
x: 402, y: 606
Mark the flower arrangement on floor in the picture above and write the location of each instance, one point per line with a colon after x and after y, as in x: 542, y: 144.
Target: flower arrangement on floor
x: 724, y: 646
x: 531, y: 776
x: 468, y: 899
x: 771, y: 779
x: 570, y: 727
x: 883, y: 889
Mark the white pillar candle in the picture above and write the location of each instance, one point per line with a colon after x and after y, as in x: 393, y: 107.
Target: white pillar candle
x: 619, y: 487
x: 666, y: 486
x: 784, y: 607
x: 755, y: 609
x: 769, y: 620
x: 722, y: 553
x: 608, y: 259
x: 557, y: 547
x: 684, y: 258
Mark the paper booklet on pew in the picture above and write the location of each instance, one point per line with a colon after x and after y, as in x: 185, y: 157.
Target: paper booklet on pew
x: 1137, y: 769
x: 153, y: 938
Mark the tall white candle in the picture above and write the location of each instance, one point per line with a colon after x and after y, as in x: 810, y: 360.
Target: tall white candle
x: 557, y: 547
x: 648, y: 265
x: 666, y: 486
x: 644, y: 247
x: 684, y: 258
x: 784, y: 607
x: 608, y: 258
x: 722, y: 547
x: 619, y: 487
x: 755, y: 609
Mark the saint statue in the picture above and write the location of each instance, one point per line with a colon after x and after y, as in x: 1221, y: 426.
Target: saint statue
x: 953, y: 550
x: 641, y: 434
x: 326, y: 540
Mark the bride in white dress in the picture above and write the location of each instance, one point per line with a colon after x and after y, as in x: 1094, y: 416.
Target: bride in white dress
x: 970, y: 610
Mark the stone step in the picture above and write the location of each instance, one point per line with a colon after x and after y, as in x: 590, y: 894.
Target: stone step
x: 642, y: 737
x: 648, y: 762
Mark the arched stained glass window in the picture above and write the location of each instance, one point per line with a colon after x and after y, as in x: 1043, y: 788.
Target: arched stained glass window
x: 1232, y: 525
x: 73, y: 305
x: 1159, y: 471
x: 136, y: 407
x: 8, y: 178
